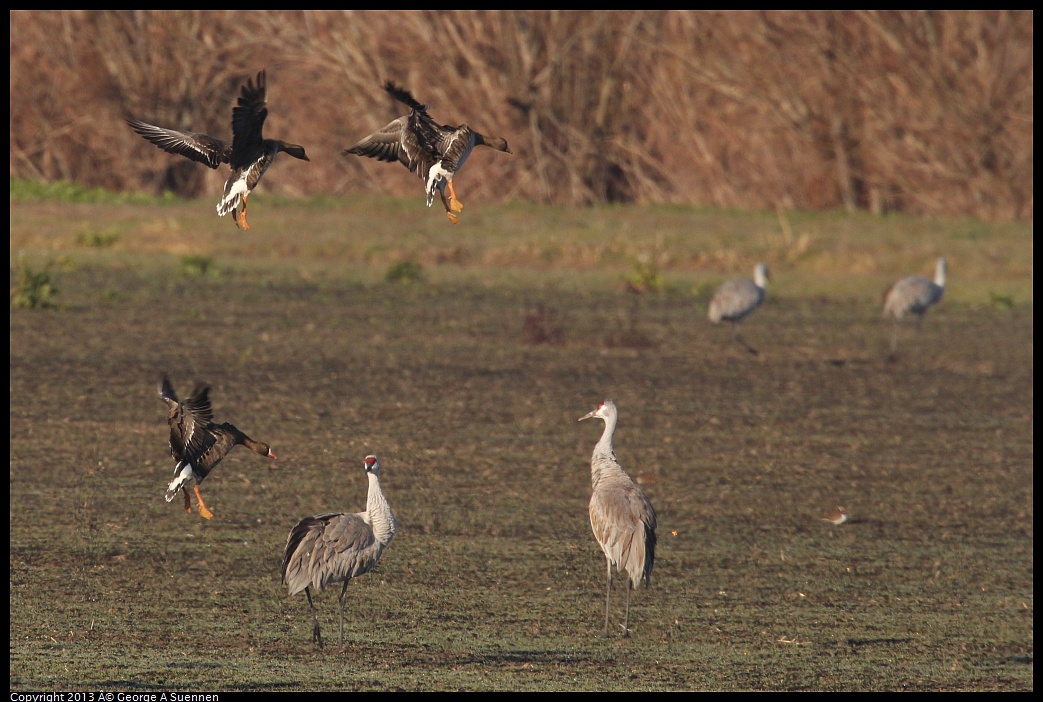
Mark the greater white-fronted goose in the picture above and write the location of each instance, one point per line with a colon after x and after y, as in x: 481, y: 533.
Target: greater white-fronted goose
x: 249, y: 154
x: 197, y: 444
x: 435, y: 152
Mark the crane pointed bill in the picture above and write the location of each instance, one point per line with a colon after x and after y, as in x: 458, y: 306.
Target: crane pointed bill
x: 588, y: 415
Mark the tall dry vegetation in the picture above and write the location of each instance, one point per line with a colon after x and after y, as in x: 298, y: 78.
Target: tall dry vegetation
x: 916, y: 112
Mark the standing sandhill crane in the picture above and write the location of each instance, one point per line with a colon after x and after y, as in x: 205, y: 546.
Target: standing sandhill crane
x: 197, y: 445
x: 334, y: 548
x: 621, y: 516
x: 913, y: 295
x: 735, y: 300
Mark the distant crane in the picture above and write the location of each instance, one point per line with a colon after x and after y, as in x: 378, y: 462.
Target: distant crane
x: 334, y: 548
x: 197, y: 445
x: 735, y: 300
x: 621, y: 516
x: 913, y: 295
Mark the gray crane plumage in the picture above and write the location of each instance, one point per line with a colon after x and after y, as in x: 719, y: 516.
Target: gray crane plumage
x: 737, y: 299
x: 621, y: 516
x: 914, y: 295
x: 335, y: 548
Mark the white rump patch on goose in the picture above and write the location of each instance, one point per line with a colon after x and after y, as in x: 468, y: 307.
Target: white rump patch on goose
x: 434, y: 178
x: 181, y: 477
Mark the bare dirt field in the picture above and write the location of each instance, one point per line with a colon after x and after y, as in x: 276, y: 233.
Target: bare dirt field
x: 494, y: 580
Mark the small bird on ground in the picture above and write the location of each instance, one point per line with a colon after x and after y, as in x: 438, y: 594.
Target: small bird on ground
x: 197, y: 444
x: 249, y: 154
x: 435, y: 152
x: 836, y: 517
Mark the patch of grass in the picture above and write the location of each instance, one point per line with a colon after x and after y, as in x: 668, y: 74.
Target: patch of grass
x: 96, y: 239
x: 33, y: 288
x: 704, y: 289
x: 1001, y: 300
x: 644, y: 278
x: 408, y: 271
x: 68, y: 192
x: 198, y: 266
x: 832, y: 254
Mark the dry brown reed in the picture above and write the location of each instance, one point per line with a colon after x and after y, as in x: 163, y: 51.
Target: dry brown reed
x: 900, y: 111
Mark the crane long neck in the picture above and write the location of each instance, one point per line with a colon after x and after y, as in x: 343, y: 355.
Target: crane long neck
x: 379, y: 512
x: 939, y: 273
x: 604, y: 460
x: 760, y: 279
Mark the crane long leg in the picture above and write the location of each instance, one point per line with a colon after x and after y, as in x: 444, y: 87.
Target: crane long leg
x: 738, y: 338
x: 316, y: 631
x: 341, y: 599
x: 608, y: 593
x: 626, y: 624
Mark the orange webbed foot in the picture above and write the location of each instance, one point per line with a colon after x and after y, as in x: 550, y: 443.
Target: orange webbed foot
x: 454, y: 201
x: 203, y: 511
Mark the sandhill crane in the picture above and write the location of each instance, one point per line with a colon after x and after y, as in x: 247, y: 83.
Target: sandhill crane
x: 334, y: 548
x: 197, y: 445
x: 735, y: 300
x: 621, y: 516
x: 913, y: 295
x: 435, y: 152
